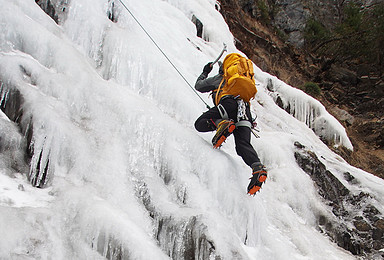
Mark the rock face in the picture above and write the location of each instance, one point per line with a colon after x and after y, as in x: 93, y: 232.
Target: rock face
x: 359, y: 225
x: 290, y: 16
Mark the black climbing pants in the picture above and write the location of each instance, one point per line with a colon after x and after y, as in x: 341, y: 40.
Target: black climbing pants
x: 208, y: 120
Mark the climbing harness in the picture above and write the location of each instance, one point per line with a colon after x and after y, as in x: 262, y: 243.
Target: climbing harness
x: 241, y: 110
x: 223, y: 113
x: 242, y: 118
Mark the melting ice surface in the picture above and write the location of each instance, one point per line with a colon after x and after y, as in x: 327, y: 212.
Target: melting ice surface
x: 130, y: 176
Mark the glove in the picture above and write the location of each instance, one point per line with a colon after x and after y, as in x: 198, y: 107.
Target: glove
x: 207, y: 68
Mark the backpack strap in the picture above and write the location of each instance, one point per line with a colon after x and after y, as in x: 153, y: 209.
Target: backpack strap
x: 217, y: 99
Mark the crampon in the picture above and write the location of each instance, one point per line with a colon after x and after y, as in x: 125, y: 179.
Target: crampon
x: 257, y: 179
x: 224, y: 129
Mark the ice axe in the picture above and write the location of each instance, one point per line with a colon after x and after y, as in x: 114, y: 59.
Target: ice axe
x: 221, y: 54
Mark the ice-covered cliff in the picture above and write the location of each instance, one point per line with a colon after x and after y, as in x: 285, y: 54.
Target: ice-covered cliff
x: 93, y: 113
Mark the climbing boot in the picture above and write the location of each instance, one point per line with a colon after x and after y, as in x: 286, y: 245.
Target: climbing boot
x: 224, y: 129
x: 259, y: 176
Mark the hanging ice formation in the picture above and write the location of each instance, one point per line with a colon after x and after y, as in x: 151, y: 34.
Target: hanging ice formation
x: 309, y: 111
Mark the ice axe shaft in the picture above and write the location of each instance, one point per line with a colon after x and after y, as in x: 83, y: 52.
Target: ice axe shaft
x: 256, y: 135
x: 221, y: 54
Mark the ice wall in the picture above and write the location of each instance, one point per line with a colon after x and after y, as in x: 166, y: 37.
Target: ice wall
x: 110, y: 123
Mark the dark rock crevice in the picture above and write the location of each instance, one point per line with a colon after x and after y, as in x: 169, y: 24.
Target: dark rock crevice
x: 199, y: 26
x: 112, y: 12
x: 12, y: 102
x: 48, y: 8
x: 56, y: 9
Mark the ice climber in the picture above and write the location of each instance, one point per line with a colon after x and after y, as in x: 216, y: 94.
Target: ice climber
x: 230, y: 115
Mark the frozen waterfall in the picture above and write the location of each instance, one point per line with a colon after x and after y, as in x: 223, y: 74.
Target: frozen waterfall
x: 96, y: 116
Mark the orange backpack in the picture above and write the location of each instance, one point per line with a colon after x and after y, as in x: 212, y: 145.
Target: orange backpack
x: 238, y: 76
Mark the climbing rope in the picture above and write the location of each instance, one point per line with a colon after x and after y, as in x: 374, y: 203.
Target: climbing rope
x: 158, y: 47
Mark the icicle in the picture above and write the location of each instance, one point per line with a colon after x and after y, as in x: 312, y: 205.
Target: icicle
x: 312, y: 113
